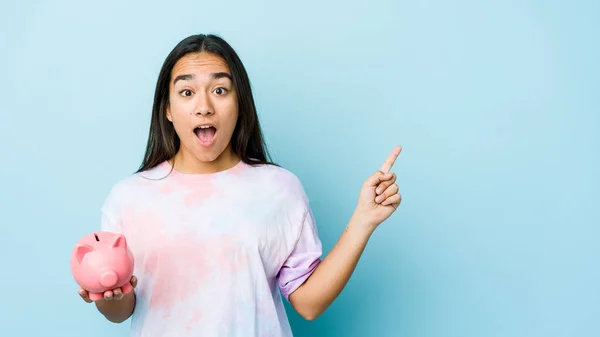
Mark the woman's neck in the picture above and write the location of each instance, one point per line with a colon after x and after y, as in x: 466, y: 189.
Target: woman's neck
x: 185, y: 162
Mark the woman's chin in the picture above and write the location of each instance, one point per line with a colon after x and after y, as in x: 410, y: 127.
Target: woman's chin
x: 208, y: 154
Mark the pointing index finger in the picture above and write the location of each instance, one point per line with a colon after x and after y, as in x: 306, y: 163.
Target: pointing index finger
x: 391, y: 159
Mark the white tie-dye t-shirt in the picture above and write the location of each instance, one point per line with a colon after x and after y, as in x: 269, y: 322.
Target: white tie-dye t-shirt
x: 214, y: 253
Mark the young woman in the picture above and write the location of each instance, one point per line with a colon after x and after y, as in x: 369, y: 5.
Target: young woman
x: 221, y: 235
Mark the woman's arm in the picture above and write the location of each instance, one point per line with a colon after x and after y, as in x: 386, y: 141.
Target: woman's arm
x: 378, y: 199
x: 313, y: 297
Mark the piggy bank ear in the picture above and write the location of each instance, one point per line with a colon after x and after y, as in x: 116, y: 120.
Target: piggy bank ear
x: 119, y: 242
x: 81, y: 250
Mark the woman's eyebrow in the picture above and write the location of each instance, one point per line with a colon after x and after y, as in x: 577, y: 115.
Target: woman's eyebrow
x: 184, y: 77
x: 214, y: 76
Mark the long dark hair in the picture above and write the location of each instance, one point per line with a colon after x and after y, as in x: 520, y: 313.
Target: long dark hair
x: 247, y: 139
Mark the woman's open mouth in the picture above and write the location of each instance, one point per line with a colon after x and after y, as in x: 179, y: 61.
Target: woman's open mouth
x: 205, y: 134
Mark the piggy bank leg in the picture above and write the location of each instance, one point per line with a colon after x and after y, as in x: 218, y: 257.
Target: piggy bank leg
x: 96, y: 296
x: 126, y: 288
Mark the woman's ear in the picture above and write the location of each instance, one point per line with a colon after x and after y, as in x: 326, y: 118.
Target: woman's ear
x: 168, y: 113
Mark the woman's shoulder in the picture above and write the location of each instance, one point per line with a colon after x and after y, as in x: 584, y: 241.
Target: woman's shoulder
x: 274, y: 177
x: 132, y: 183
x: 123, y: 188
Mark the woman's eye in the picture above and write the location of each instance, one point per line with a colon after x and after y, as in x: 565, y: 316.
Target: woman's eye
x: 220, y: 91
x: 186, y: 92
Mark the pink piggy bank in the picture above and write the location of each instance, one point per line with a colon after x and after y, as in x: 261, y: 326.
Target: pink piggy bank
x: 102, y: 261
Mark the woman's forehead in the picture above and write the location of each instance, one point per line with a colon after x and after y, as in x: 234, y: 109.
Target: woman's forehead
x: 200, y: 64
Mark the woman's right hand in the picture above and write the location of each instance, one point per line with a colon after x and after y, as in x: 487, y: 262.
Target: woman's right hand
x: 113, y: 294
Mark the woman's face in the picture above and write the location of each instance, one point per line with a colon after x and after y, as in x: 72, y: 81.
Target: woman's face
x: 203, y: 109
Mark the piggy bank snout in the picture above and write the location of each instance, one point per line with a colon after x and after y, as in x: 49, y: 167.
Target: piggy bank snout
x: 109, y: 279
x: 102, y: 261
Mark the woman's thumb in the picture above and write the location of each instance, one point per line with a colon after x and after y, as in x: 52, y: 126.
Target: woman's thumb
x: 376, y: 178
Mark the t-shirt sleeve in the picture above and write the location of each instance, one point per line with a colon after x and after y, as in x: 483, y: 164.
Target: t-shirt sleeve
x: 109, y: 221
x: 304, y: 258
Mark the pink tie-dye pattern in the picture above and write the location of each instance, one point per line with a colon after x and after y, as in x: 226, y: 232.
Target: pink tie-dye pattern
x: 196, y: 317
x: 197, y: 196
x: 181, y: 255
x: 166, y: 189
x: 198, y: 261
x: 206, y: 267
x: 142, y: 228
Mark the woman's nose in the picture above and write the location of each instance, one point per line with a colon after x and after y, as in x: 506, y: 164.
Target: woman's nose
x: 204, y: 111
x: 204, y: 107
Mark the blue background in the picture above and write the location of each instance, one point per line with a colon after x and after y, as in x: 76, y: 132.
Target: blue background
x: 496, y: 104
